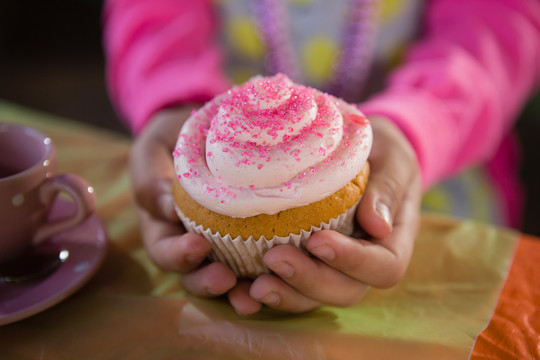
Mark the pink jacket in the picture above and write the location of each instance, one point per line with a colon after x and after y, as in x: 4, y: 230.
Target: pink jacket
x: 455, y: 96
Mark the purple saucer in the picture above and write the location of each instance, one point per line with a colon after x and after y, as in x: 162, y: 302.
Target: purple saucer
x: 87, y: 246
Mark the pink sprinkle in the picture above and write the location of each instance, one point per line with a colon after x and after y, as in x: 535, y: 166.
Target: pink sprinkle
x: 260, y: 166
x: 313, y: 170
x: 187, y: 175
x: 209, y: 154
x: 272, y: 133
x: 225, y: 149
x: 359, y: 119
x: 252, y: 187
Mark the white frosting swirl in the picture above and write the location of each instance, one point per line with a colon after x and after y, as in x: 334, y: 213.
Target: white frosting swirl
x: 270, y: 145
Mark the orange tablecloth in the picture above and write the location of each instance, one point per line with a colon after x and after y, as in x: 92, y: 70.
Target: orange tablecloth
x: 514, y: 329
x: 131, y: 310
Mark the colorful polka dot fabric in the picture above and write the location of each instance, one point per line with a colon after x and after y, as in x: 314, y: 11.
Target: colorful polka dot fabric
x: 316, y: 30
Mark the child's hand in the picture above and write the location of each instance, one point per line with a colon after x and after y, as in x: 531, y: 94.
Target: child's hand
x: 394, y: 183
x: 168, y: 245
x: 344, y: 268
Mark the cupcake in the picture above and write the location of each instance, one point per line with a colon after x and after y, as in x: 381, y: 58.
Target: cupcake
x: 267, y: 163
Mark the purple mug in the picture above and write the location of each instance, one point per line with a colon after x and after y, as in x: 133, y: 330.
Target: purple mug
x: 29, y: 187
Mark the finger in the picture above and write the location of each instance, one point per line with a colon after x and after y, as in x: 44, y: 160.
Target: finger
x: 275, y: 293
x: 304, y: 274
x: 155, y: 196
x: 392, y: 171
x: 211, y: 280
x: 151, y: 163
x: 168, y: 248
x: 240, y: 299
x: 381, y: 262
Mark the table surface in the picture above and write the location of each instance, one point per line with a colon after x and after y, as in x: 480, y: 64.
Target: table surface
x: 471, y: 291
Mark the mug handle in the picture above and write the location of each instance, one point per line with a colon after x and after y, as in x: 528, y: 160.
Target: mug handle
x: 78, y: 190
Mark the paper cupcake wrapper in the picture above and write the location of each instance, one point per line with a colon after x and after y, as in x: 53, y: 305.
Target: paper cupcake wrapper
x: 245, y: 256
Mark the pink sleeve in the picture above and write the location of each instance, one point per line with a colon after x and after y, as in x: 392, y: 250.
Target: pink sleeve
x: 160, y: 53
x: 464, y: 82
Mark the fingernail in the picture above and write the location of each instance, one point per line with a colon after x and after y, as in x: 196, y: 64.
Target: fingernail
x: 166, y: 205
x: 384, y: 213
x: 271, y: 299
x: 324, y: 252
x: 195, y: 259
x: 283, y: 269
x: 213, y: 292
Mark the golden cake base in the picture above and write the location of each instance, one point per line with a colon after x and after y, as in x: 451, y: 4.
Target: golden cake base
x: 286, y: 222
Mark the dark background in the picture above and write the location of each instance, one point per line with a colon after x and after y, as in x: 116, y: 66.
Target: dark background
x: 51, y: 59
